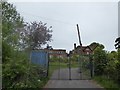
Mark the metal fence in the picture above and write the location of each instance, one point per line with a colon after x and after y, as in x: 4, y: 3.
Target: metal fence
x: 64, y: 68
x: 80, y: 68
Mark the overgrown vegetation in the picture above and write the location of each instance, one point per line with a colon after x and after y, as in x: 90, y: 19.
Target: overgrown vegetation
x: 108, y: 84
x: 58, y: 59
x: 18, y: 38
x: 107, y: 67
x: 17, y: 71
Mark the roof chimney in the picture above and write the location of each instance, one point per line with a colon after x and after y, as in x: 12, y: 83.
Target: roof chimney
x: 74, y: 45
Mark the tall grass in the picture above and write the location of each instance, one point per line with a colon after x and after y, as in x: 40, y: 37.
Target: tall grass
x: 108, y: 84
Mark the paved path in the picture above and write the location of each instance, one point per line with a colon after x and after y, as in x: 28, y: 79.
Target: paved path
x: 64, y: 74
x: 69, y: 83
x: 72, y: 84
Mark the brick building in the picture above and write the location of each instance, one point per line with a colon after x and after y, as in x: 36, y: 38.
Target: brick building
x: 84, y: 50
x: 56, y: 53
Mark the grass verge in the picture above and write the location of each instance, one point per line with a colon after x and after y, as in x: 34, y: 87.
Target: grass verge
x: 106, y: 83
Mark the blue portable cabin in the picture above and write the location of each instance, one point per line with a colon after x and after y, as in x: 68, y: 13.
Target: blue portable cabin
x: 40, y: 57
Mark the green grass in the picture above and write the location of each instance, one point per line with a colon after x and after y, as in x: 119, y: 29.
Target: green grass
x: 54, y: 66
x: 106, y: 83
x: 75, y: 65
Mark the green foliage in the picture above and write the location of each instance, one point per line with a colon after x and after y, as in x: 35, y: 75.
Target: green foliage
x: 86, y: 62
x: 54, y: 59
x: 65, y: 60
x: 107, y: 83
x: 5, y: 53
x: 11, y: 21
x: 118, y: 55
x: 107, y: 64
x: 13, y: 69
x: 58, y: 59
x: 74, y: 58
x: 94, y: 45
x: 110, y: 69
x: 35, y: 34
x: 100, y: 58
x: 17, y: 71
x: 118, y: 71
x: 117, y: 41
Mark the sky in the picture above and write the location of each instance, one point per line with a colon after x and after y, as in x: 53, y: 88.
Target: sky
x: 98, y: 21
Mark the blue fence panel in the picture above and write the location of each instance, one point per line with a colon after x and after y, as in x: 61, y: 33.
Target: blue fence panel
x: 39, y: 57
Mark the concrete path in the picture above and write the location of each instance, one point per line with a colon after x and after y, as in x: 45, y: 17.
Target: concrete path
x: 64, y: 81
x: 72, y: 84
x: 66, y: 74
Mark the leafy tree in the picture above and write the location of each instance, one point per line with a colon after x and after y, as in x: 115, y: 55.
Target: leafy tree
x: 16, y: 67
x: 113, y: 55
x: 11, y: 21
x: 110, y: 69
x: 117, y: 41
x: 117, y: 46
x: 94, y: 45
x: 118, y: 66
x: 54, y: 59
x: 100, y: 60
x: 74, y: 58
x: 35, y: 35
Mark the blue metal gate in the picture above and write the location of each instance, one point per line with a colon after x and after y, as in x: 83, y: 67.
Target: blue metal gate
x: 40, y: 57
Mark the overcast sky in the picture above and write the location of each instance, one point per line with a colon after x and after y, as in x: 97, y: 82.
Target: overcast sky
x: 98, y: 21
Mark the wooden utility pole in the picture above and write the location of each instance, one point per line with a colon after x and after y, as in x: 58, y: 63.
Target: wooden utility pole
x: 79, y: 35
x: 80, y: 52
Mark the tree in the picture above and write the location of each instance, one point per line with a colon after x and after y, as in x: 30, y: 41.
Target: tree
x: 17, y: 72
x: 35, y: 35
x: 112, y: 61
x: 11, y: 21
x: 100, y: 58
x: 117, y: 46
x: 117, y: 41
x: 94, y: 45
x: 11, y: 66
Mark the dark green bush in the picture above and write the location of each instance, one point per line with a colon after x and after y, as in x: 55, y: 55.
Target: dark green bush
x: 18, y: 72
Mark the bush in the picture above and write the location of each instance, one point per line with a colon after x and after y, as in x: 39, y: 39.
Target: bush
x: 118, y: 71
x: 107, y: 83
x: 100, y: 60
x: 19, y: 73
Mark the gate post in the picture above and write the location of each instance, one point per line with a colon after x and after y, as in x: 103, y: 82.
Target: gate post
x: 80, y: 66
x: 48, y: 58
x: 69, y: 66
x: 59, y: 66
x: 91, y: 66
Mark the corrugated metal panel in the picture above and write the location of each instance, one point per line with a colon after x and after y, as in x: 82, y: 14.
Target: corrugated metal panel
x: 39, y: 57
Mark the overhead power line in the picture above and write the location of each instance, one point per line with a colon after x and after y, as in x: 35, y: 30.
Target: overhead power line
x: 50, y: 19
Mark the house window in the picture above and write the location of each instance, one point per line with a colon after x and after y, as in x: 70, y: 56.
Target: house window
x: 87, y: 53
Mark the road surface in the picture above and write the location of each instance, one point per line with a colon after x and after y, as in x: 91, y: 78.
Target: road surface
x: 61, y: 80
